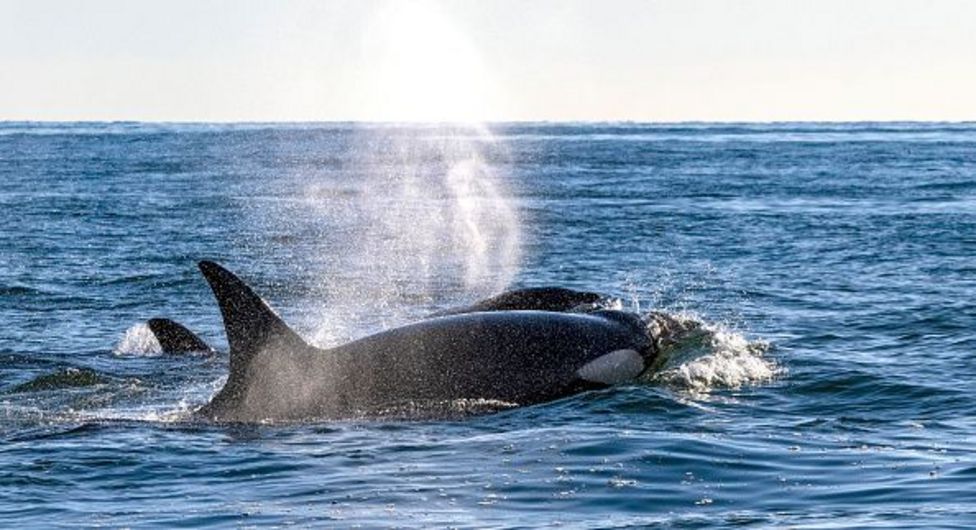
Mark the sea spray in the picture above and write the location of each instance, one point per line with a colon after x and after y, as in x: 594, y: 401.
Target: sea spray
x: 434, y: 219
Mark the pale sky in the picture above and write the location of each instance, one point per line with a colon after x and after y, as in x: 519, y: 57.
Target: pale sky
x: 489, y: 60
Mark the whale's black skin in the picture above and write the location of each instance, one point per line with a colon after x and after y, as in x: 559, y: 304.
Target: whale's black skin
x: 175, y: 338
x: 557, y: 299
x: 519, y: 357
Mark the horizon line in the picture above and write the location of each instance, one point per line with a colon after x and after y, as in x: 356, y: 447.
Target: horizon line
x: 485, y: 122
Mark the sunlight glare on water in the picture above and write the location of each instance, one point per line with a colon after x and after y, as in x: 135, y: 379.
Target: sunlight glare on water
x: 425, y: 68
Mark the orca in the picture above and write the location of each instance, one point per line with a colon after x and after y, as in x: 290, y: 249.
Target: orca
x: 511, y: 356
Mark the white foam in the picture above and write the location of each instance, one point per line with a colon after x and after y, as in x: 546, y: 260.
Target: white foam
x: 138, y: 340
x: 441, y: 408
x: 700, y: 357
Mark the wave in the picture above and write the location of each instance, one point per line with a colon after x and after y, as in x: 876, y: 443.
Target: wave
x: 20, y: 290
x: 72, y: 396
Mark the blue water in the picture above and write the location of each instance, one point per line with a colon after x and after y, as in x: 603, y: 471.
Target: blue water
x: 828, y: 268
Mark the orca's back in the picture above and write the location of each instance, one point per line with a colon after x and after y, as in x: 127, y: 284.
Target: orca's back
x: 515, y: 356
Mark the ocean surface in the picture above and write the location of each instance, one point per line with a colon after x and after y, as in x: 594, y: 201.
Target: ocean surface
x: 826, y: 274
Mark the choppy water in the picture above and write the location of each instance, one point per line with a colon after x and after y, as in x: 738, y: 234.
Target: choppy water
x: 829, y: 265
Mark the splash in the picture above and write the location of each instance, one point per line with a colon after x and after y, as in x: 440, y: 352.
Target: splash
x: 52, y: 416
x: 138, y: 340
x: 82, y: 395
x: 698, y: 357
x: 437, y: 409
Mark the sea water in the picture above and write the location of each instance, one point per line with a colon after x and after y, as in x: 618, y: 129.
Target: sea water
x: 824, y: 276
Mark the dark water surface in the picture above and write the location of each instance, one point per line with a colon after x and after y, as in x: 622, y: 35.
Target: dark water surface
x: 830, y: 266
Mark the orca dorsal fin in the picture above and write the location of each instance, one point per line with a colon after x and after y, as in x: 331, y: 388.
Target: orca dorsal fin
x: 558, y: 299
x: 249, y: 321
x: 173, y: 337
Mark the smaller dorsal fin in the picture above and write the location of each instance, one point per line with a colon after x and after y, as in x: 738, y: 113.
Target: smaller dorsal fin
x: 173, y: 337
x: 558, y: 299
